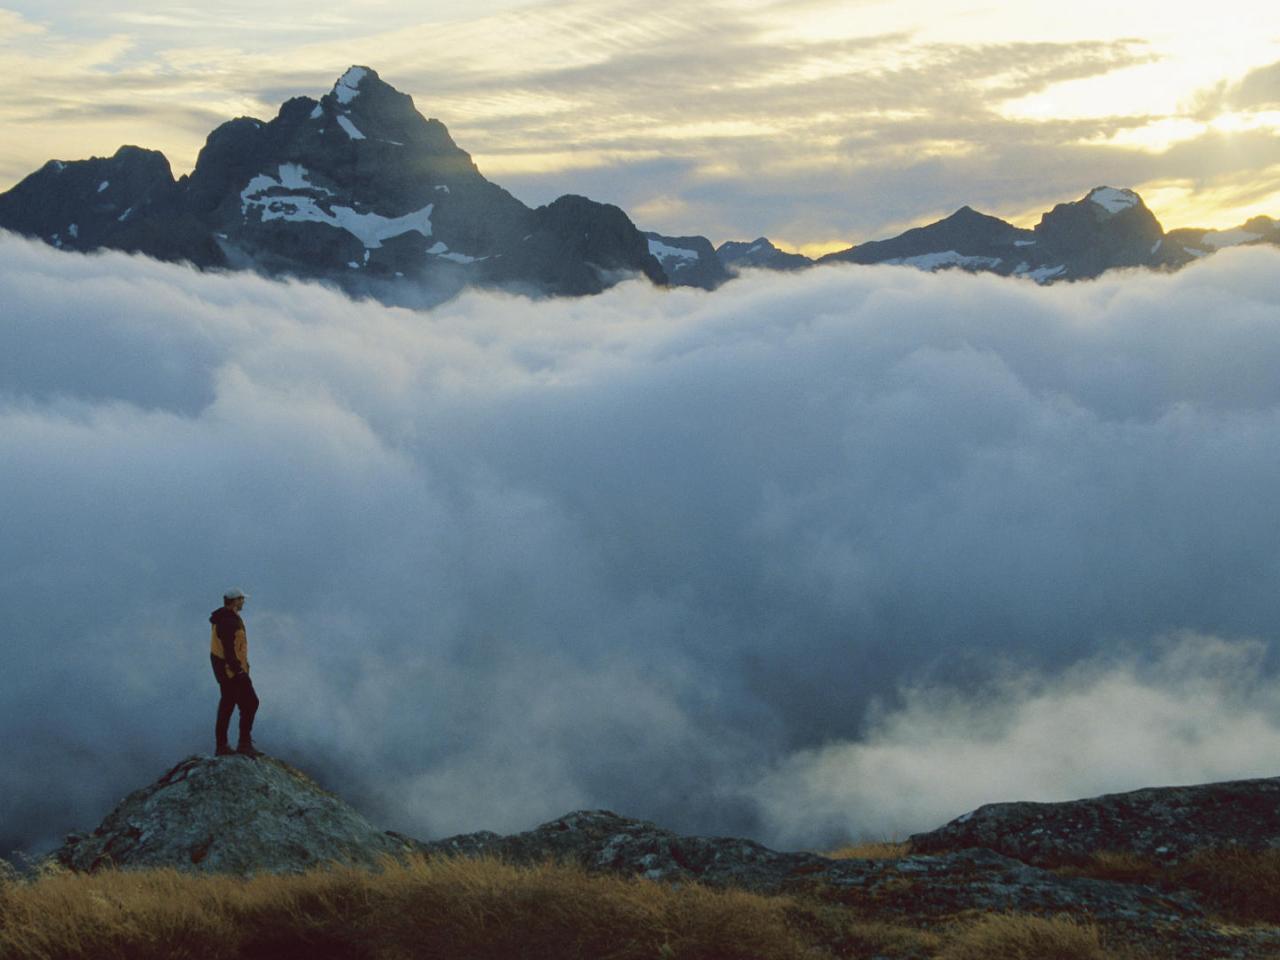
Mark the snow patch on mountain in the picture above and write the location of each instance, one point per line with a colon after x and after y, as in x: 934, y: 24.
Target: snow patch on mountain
x: 270, y: 197
x: 1113, y: 200
x: 103, y: 185
x: 944, y: 258
x: 660, y: 250
x: 294, y: 176
x: 348, y: 86
x: 352, y: 131
x: 1040, y: 274
x: 443, y: 252
x: 1217, y: 239
x: 317, y: 112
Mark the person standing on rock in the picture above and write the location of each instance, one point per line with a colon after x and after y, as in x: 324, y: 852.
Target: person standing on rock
x: 229, y: 653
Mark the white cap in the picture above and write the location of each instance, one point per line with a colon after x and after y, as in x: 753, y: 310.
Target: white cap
x: 235, y: 593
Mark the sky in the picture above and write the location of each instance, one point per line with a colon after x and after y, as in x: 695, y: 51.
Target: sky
x: 817, y: 123
x: 817, y: 557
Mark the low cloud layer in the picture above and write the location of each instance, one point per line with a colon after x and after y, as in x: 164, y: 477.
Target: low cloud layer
x: 770, y: 561
x: 1192, y: 708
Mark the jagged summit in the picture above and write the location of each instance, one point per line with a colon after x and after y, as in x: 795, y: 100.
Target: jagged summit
x: 356, y: 188
x: 347, y: 87
x: 1113, y: 200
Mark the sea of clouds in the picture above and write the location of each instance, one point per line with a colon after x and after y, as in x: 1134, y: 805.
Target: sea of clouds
x: 821, y: 556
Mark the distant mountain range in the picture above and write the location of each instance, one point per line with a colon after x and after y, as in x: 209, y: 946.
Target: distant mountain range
x: 360, y: 190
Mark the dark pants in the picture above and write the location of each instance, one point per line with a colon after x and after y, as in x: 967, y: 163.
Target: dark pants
x: 236, y: 692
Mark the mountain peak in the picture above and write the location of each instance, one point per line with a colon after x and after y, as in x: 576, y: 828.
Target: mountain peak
x: 193, y: 816
x: 1114, y: 200
x: 347, y: 87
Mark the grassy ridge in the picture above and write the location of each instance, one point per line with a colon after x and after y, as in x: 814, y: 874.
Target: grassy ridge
x: 474, y: 910
x: 1239, y: 886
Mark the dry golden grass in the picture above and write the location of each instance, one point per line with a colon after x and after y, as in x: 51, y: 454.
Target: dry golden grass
x: 1021, y: 937
x: 1237, y: 885
x: 424, y: 909
x: 486, y: 910
x: 875, y: 850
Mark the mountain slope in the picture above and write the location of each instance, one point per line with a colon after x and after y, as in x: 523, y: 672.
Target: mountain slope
x: 1106, y: 229
x: 237, y: 816
x: 759, y: 254
x: 688, y: 261
x: 356, y: 188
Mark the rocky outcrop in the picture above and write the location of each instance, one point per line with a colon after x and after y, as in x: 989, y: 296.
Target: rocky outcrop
x: 1108, y: 228
x: 688, y: 261
x: 602, y: 841
x: 1164, y: 824
x: 242, y: 816
x: 1196, y: 243
x: 759, y: 254
x: 915, y: 889
x: 967, y: 239
x: 230, y: 815
x: 128, y: 201
x: 575, y: 246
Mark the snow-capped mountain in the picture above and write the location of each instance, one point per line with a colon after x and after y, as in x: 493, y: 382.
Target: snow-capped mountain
x: 360, y: 189
x: 688, y: 261
x: 356, y: 187
x: 1200, y: 243
x: 1107, y: 228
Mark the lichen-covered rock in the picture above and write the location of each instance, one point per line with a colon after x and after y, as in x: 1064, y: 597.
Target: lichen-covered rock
x: 600, y: 840
x: 1164, y: 824
x: 915, y: 889
x: 230, y: 815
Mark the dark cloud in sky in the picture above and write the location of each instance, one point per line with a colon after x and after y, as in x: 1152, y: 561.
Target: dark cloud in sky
x: 656, y: 551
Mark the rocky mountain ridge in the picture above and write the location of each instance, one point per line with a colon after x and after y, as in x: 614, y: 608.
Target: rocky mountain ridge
x: 361, y: 190
x: 243, y: 816
x: 356, y: 188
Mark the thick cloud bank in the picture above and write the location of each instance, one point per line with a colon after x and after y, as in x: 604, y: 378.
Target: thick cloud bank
x: 833, y: 554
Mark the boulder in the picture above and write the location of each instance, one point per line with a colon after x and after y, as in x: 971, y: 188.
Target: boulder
x: 231, y: 815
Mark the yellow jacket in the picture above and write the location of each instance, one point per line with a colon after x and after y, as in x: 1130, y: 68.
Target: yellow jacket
x: 228, y: 646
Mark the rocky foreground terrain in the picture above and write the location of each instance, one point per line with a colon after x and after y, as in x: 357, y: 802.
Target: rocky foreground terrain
x: 243, y: 816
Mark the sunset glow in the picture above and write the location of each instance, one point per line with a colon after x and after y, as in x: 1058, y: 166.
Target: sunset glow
x: 817, y: 123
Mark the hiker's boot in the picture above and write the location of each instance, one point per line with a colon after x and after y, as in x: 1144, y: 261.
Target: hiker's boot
x: 224, y: 750
x: 247, y: 749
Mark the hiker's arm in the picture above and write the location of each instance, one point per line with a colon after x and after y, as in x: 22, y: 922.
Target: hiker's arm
x: 227, y: 634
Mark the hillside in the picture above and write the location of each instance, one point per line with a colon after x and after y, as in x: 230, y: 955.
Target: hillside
x: 1177, y: 871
